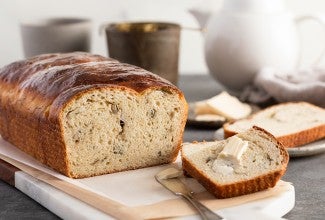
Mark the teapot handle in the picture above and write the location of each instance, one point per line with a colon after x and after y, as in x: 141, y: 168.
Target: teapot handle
x: 319, y: 18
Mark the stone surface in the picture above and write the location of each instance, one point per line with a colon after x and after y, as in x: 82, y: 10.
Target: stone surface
x: 16, y: 205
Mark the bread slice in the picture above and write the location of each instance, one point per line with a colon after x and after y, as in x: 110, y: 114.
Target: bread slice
x: 260, y: 166
x: 293, y: 123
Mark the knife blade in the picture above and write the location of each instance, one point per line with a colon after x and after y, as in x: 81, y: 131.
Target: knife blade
x: 169, y: 179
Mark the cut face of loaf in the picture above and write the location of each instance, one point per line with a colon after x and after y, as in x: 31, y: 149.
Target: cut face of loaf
x: 260, y: 166
x: 293, y: 124
x: 110, y: 130
x: 85, y: 115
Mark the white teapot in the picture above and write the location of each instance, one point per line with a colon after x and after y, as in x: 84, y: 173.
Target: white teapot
x: 247, y: 35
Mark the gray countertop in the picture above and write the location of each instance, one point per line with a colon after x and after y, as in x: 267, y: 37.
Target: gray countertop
x: 307, y: 173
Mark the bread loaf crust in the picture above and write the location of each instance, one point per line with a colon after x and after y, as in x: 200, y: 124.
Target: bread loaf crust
x: 35, y: 91
x: 235, y: 189
x: 259, y: 183
x: 290, y: 140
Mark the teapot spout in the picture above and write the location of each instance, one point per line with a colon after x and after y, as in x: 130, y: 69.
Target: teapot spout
x: 202, y: 16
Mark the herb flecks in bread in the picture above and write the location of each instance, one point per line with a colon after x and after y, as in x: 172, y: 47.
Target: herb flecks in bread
x: 85, y: 115
x: 260, y: 165
x: 122, y: 133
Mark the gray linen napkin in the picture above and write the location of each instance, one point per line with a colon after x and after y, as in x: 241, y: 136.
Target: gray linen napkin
x: 300, y: 85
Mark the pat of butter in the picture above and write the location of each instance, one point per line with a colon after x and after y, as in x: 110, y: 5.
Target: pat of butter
x: 224, y: 105
x: 202, y: 108
x: 169, y: 173
x: 229, y: 158
x: 229, y: 106
x: 221, y: 166
x: 209, y: 117
x: 233, y: 150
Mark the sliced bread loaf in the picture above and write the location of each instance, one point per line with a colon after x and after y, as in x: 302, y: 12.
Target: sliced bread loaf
x: 245, y: 163
x: 85, y: 115
x: 293, y: 124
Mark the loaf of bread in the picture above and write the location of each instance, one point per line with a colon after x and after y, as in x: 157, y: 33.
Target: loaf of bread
x: 85, y: 115
x: 293, y: 124
x: 245, y: 163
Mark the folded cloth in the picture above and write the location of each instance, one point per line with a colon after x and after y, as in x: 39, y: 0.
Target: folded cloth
x: 300, y: 85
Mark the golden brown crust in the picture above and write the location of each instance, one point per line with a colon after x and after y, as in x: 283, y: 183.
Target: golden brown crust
x: 234, y: 189
x: 291, y: 140
x: 34, y: 92
x: 227, y: 132
x: 280, y: 146
x: 256, y: 184
x: 303, y: 137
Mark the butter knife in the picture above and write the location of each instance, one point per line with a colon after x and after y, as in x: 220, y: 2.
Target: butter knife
x: 169, y: 179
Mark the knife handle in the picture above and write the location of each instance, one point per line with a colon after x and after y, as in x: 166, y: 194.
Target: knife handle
x: 205, y: 212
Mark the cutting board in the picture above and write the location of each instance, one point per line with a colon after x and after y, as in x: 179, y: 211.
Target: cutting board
x: 139, y: 191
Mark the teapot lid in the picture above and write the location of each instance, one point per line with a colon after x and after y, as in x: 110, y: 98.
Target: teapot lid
x: 254, y: 6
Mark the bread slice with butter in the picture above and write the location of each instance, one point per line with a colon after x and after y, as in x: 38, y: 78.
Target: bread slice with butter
x: 245, y: 163
x: 223, y: 105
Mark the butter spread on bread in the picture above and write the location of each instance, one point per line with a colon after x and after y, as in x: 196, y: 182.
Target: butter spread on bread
x: 252, y: 161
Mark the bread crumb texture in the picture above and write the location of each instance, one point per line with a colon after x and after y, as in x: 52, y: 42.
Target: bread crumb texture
x: 110, y: 130
x: 261, y: 165
x: 283, y: 119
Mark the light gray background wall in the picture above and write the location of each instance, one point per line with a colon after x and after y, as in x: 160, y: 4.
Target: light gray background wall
x: 191, y: 56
